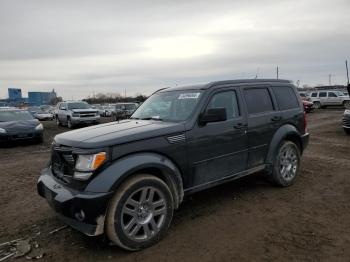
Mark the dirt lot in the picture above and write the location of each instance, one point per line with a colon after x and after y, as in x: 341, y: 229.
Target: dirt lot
x: 246, y: 220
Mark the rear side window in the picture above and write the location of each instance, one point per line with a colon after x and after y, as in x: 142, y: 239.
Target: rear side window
x: 322, y: 94
x: 286, y: 98
x: 258, y: 100
x: 314, y: 95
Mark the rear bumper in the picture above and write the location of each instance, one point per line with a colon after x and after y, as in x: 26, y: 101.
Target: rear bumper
x: 305, y: 140
x: 84, y: 211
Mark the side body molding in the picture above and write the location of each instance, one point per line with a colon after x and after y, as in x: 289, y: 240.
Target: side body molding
x: 285, y: 131
x: 110, y: 178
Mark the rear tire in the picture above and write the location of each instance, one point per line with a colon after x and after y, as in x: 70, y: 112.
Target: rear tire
x: 140, y: 213
x: 317, y: 105
x: 286, y: 165
x: 347, y: 131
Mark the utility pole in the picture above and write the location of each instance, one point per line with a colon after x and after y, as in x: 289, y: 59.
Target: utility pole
x: 277, y: 72
x: 257, y: 72
x: 347, y: 70
x: 330, y: 79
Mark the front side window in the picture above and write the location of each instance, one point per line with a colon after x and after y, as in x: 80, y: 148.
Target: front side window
x: 314, y: 95
x: 227, y: 100
x: 173, y: 106
x: 322, y: 94
x: 331, y: 94
x: 258, y: 100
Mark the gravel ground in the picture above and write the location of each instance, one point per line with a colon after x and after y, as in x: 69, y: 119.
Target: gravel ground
x: 246, y: 220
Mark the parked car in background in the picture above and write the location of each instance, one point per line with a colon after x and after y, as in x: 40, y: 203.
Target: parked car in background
x: 346, y: 121
x: 39, y: 113
x: 16, y: 124
x: 308, y: 106
x: 329, y: 98
x: 123, y: 110
x: 125, y: 179
x: 71, y: 113
x: 304, y: 96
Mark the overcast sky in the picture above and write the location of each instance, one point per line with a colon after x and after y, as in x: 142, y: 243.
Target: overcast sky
x: 85, y: 47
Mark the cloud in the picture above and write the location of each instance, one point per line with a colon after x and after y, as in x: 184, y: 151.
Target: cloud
x: 81, y: 47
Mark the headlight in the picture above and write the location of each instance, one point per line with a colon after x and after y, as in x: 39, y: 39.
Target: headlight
x: 88, y: 163
x: 39, y: 127
x: 75, y: 115
x: 347, y: 112
x: 2, y: 131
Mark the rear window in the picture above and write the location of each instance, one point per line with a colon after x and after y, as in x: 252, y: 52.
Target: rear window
x: 258, y: 100
x: 286, y: 98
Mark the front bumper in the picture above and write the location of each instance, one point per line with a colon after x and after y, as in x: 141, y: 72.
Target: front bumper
x: 305, y: 140
x: 84, y: 211
x: 85, y: 120
x: 20, y: 136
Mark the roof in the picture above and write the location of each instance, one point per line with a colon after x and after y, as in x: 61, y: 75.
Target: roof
x: 224, y: 82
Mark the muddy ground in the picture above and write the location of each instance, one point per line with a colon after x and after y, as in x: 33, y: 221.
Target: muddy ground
x: 246, y: 220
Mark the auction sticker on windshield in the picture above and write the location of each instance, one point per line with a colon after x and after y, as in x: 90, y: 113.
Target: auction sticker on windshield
x: 189, y: 96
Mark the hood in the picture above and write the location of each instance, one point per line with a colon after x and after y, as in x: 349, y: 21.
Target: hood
x: 23, y: 126
x: 114, y: 133
x: 84, y: 110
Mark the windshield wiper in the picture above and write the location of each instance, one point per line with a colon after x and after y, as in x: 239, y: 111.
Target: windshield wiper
x: 151, y: 118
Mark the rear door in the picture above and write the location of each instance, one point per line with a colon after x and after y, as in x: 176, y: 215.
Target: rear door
x: 263, y: 120
x: 62, y: 111
x: 219, y: 150
x: 323, y: 98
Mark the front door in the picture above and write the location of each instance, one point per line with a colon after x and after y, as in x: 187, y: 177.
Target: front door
x: 219, y: 150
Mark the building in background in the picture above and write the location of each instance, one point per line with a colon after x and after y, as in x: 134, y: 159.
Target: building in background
x: 15, y: 94
x: 42, y: 98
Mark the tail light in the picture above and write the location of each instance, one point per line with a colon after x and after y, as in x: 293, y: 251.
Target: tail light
x: 305, y: 123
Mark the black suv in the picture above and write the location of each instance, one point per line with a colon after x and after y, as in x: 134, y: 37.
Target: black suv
x: 125, y: 179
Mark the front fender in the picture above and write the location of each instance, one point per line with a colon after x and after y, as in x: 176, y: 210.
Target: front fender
x: 281, y: 134
x: 111, y: 177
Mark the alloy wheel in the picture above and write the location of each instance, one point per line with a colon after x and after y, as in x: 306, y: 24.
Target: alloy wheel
x: 143, y: 214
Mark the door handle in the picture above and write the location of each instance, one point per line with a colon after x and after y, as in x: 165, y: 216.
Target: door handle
x: 239, y: 126
x: 276, y: 118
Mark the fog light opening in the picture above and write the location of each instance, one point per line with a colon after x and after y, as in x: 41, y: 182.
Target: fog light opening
x: 80, y: 215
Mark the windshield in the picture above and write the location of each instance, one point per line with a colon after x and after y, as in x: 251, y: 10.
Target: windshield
x: 339, y: 93
x: 173, y: 106
x: 78, y: 105
x: 6, y: 116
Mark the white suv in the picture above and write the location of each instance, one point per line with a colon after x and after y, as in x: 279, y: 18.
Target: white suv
x: 329, y: 98
x: 72, y: 113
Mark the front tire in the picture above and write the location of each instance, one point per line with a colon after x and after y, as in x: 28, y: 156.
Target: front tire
x: 140, y: 213
x: 317, y: 105
x: 58, y: 123
x: 346, y: 104
x: 287, y: 164
x: 69, y: 123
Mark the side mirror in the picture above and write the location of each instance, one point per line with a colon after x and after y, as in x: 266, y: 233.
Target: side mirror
x: 214, y: 115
